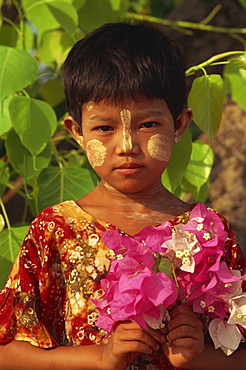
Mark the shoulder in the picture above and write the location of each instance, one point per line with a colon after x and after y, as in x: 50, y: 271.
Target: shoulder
x: 60, y: 214
x: 63, y: 221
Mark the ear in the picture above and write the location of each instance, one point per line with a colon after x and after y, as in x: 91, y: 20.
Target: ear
x: 75, y: 130
x: 182, y: 123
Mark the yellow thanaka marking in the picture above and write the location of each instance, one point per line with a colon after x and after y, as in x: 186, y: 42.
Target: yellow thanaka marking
x: 125, y: 116
x: 90, y: 106
x: 159, y: 147
x: 96, y: 153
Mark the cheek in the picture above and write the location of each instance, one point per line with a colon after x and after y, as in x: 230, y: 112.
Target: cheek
x: 96, y: 153
x: 160, y: 148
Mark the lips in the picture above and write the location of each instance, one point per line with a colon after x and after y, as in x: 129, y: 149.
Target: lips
x: 129, y: 168
x: 129, y: 165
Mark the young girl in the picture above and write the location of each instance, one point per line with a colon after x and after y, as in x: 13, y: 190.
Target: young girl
x: 125, y: 93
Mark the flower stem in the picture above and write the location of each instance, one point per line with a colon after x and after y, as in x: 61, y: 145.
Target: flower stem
x: 176, y: 282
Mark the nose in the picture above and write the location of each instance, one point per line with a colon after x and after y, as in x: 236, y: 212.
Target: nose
x: 127, y: 140
x: 127, y: 143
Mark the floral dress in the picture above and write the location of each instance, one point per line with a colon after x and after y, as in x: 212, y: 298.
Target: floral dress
x: 46, y: 299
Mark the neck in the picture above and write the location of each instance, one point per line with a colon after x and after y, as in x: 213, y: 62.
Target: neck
x: 157, y: 198
x: 131, y: 212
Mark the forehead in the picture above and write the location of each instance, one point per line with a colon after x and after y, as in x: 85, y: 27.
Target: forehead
x: 138, y: 108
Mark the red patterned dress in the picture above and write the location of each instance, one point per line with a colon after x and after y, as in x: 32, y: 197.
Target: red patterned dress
x: 46, y: 298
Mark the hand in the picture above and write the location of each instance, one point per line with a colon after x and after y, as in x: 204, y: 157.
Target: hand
x: 128, y: 340
x: 185, y: 334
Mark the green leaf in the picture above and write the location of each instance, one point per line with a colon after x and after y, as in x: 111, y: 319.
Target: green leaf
x: 97, y: 12
x: 4, y: 177
x: 8, y: 36
x: 55, y: 46
x: 240, y: 61
x: 34, y: 121
x: 58, y: 184
x: 243, y: 3
x: 27, y: 41
x: 115, y: 4
x: 14, y: 74
x: 48, y: 15
x: 165, y: 266
x: 199, y: 196
x: 22, y: 160
x: 10, y: 242
x: 236, y: 81
x: 173, y: 175
x: 78, y: 4
x: 199, y: 168
x: 5, y: 120
x: 52, y: 92
x: 206, y: 100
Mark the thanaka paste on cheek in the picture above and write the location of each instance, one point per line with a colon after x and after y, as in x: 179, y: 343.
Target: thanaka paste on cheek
x: 125, y: 116
x: 159, y: 147
x: 96, y: 153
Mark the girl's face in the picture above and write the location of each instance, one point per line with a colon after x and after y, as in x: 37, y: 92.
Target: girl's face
x: 129, y: 145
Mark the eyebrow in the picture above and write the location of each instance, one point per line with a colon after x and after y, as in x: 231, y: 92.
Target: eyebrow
x: 137, y: 115
x: 97, y: 117
x: 149, y: 112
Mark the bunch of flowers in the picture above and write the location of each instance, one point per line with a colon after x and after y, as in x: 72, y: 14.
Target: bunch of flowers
x: 174, y: 263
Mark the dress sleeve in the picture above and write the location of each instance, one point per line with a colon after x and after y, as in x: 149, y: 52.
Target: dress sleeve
x: 233, y: 254
x: 25, y: 309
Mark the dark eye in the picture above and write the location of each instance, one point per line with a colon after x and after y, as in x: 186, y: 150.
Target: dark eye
x: 104, y: 128
x: 148, y: 125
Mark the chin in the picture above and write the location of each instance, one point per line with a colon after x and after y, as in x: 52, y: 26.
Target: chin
x: 127, y: 189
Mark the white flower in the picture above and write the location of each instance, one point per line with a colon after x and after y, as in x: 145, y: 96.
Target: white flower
x: 157, y: 323
x: 182, y: 246
x: 224, y: 335
x: 238, y: 310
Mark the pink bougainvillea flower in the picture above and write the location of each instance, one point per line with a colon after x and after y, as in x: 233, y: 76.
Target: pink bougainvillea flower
x: 233, y: 288
x: 154, y: 237
x: 210, y: 294
x: 211, y: 305
x: 119, y: 243
x: 207, y: 226
x: 125, y: 245
x: 132, y: 290
x: 225, y: 336
x: 140, y: 283
x: 104, y: 320
x: 221, y: 280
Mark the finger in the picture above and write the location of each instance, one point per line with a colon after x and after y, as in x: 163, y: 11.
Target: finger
x: 190, y: 344
x: 134, y: 347
x: 182, y: 309
x: 157, y: 335
x: 185, y: 331
x: 185, y: 320
x: 172, y: 306
x: 134, y: 333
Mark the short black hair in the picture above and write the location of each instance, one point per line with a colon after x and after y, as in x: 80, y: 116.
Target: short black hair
x: 123, y: 60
